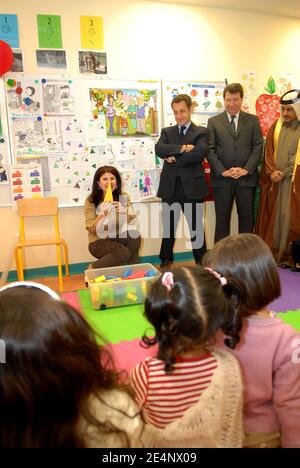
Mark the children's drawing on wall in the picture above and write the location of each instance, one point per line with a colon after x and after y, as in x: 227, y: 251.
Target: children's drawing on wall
x: 128, y: 112
x: 23, y: 97
x: 284, y: 83
x: 58, y: 98
x: 92, y: 62
x: 131, y: 184
x: 146, y: 184
x: 95, y: 130
x: 248, y: 81
x: 28, y: 135
x: 53, y: 130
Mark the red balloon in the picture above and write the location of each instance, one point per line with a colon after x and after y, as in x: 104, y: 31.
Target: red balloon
x: 6, y: 57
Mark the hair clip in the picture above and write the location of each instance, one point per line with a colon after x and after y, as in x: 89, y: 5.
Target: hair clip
x: 32, y: 284
x: 217, y: 275
x: 168, y: 280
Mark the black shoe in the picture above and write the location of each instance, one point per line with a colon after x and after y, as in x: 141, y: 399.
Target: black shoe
x: 297, y: 269
x: 166, y: 265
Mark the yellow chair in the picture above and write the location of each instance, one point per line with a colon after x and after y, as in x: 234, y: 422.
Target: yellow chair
x: 40, y: 207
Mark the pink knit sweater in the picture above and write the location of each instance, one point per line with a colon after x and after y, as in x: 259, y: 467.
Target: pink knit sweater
x: 269, y: 355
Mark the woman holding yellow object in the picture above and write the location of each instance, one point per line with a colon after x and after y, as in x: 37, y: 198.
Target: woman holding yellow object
x: 113, y: 240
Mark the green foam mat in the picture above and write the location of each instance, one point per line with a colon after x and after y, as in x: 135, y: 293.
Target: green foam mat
x: 292, y: 317
x: 118, y: 323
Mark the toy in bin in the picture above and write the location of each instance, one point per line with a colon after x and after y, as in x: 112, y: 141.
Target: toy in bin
x: 122, y: 285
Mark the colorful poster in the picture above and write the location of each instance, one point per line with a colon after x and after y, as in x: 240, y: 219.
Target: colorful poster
x: 49, y: 31
x: 91, y: 28
x: 9, y: 31
x: 26, y: 182
x: 207, y: 99
x: 128, y: 112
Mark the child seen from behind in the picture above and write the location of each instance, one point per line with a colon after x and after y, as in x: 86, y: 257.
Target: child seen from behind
x: 190, y: 394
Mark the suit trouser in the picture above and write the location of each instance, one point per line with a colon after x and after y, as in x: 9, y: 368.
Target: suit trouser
x: 224, y: 198
x: 193, y: 212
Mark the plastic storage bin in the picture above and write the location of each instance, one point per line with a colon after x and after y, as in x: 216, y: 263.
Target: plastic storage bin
x: 119, y: 293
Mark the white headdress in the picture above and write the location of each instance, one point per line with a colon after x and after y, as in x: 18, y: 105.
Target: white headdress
x: 292, y: 98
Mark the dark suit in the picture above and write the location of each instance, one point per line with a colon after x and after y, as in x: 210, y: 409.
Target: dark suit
x: 227, y: 150
x: 182, y: 183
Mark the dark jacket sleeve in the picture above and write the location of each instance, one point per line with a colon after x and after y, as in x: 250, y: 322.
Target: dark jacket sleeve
x: 212, y: 157
x: 164, y: 149
x: 198, y: 154
x: 257, y: 148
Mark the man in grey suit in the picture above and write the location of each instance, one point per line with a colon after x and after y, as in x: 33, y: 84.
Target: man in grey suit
x: 182, y: 183
x: 235, y: 149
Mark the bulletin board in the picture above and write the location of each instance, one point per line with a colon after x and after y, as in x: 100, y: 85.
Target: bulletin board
x: 207, y: 99
x: 70, y: 126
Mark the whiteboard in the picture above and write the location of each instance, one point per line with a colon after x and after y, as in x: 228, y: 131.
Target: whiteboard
x: 73, y: 125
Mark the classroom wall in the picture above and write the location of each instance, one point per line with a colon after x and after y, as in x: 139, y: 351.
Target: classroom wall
x: 152, y: 40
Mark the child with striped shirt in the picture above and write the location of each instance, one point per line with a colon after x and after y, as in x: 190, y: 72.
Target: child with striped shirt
x: 191, y: 394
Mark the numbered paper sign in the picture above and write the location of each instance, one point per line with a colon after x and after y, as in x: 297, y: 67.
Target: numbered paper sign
x: 49, y: 30
x: 91, y: 32
x: 9, y: 31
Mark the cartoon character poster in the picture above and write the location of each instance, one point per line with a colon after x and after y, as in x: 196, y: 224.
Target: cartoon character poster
x: 128, y: 112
